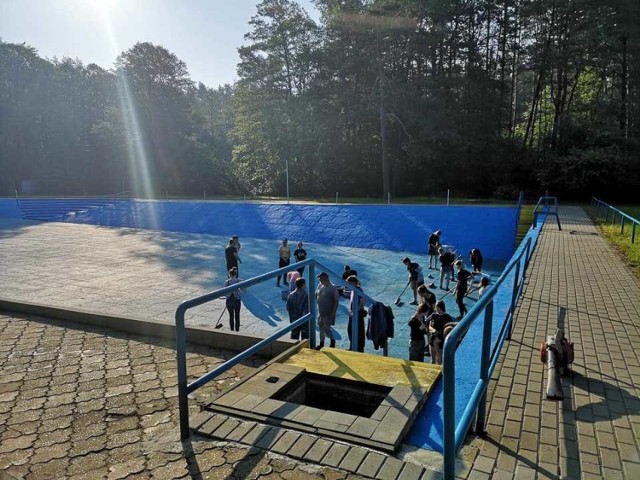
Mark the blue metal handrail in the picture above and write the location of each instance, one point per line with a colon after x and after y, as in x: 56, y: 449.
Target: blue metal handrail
x: 454, y: 435
x: 185, y: 388
x: 549, y: 207
x: 599, y: 205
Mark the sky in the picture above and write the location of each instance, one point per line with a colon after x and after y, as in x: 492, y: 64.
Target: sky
x: 205, y: 34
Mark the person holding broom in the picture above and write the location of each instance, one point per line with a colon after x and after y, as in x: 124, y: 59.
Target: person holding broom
x: 233, y: 301
x: 416, y: 277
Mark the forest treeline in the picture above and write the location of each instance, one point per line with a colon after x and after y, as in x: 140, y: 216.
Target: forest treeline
x: 485, y: 97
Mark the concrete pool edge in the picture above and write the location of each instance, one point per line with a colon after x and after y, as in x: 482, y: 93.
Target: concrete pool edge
x: 149, y: 328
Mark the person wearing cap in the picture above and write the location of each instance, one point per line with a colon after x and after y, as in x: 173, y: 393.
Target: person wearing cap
x: 300, y: 254
x: 284, y: 253
x: 328, y: 300
x: 434, y: 244
x: 231, y: 256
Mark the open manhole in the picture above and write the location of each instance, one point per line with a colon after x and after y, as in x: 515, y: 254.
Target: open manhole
x: 335, y: 394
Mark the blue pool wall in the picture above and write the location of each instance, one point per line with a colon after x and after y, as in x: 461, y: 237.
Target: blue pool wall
x: 382, y: 227
x: 9, y: 208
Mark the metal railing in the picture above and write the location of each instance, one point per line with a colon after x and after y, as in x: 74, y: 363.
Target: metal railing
x: 547, y: 206
x: 184, y: 388
x: 454, y: 434
x: 602, y: 209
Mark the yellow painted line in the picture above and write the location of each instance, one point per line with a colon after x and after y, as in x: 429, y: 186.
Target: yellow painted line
x: 367, y: 368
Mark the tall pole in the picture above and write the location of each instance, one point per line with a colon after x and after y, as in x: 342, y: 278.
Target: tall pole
x: 385, y: 167
x: 286, y: 166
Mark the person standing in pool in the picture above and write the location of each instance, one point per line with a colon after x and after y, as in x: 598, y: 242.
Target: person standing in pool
x: 300, y: 254
x: 428, y: 297
x: 475, y: 257
x: 348, y: 271
x: 461, y: 286
x: 446, y: 266
x: 284, y: 254
x: 416, y: 277
x: 328, y: 299
x: 358, y: 311
x: 298, y: 306
x: 440, y: 324
x: 231, y: 256
x: 416, y: 339
x: 233, y: 301
x: 434, y: 245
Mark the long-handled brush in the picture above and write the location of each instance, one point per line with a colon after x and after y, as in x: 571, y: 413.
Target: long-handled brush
x: 218, y: 324
x: 398, y: 302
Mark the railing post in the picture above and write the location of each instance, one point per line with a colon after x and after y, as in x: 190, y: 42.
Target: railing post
x: 613, y: 217
x: 512, y: 308
x: 621, y: 225
x: 633, y: 232
x: 355, y: 318
x: 181, y: 352
x: 485, y: 361
x: 313, y: 303
x: 449, y: 411
x: 606, y: 218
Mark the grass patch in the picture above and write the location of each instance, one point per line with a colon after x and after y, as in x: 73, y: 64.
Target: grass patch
x: 630, y: 252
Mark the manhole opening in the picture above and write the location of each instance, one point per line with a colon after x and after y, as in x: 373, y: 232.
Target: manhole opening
x: 335, y: 394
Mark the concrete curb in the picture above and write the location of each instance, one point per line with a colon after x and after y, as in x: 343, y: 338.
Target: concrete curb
x: 196, y: 336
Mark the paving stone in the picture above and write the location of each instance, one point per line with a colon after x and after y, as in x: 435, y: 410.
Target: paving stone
x: 371, y: 464
x: 301, y: 446
x: 411, y: 471
x: 285, y: 442
x: 318, y: 450
x: 335, y: 454
x: 390, y: 469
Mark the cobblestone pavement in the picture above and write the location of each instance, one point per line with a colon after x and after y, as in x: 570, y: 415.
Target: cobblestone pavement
x: 82, y: 403
x: 595, y: 431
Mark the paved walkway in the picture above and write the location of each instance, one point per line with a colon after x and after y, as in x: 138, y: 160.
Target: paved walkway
x: 595, y: 431
x: 82, y: 403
